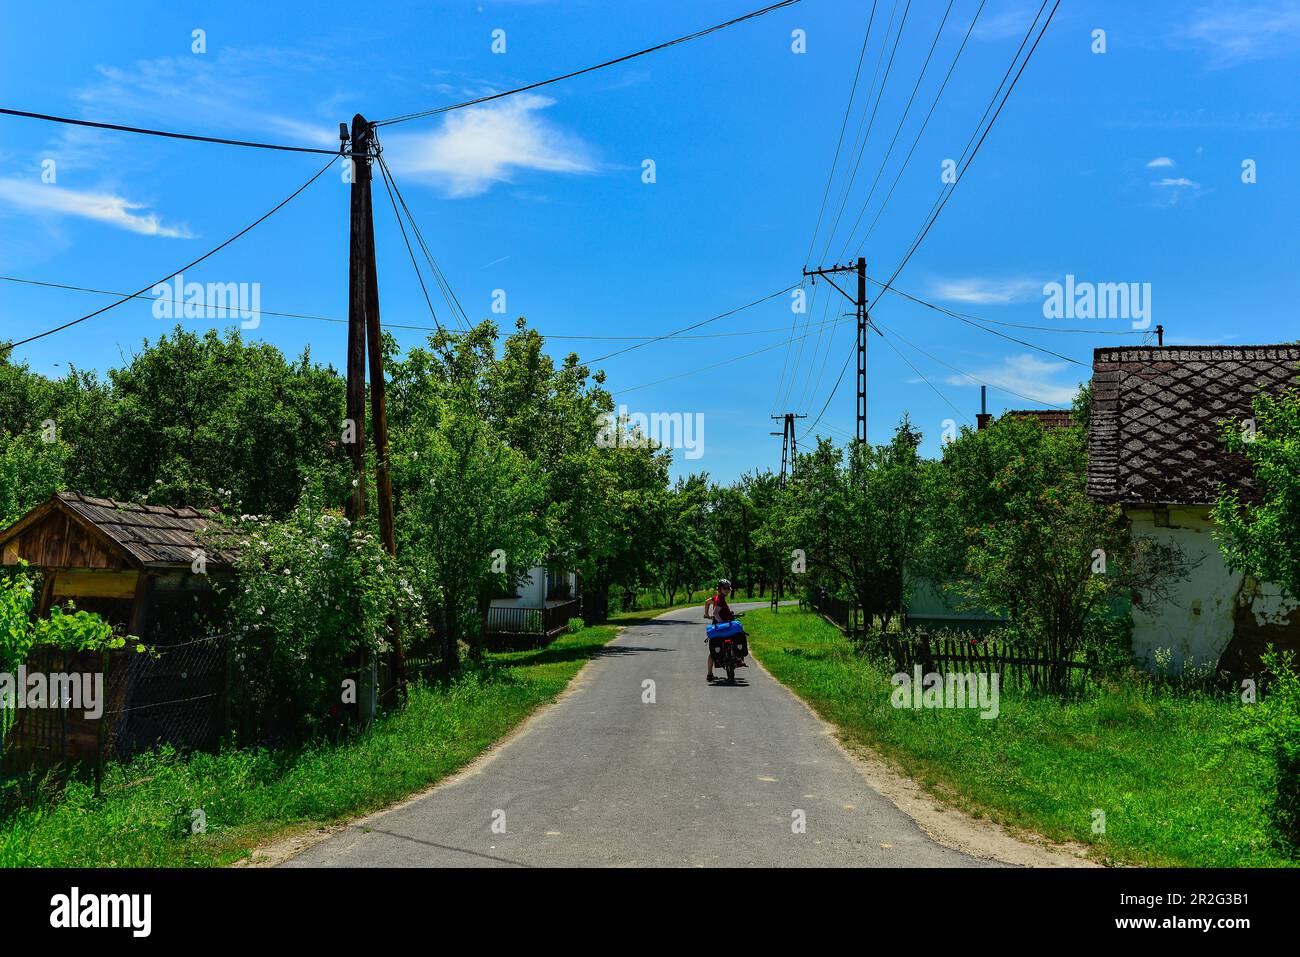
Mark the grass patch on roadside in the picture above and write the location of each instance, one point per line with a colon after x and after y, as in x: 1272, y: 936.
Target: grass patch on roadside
x: 251, y: 796
x: 1154, y: 761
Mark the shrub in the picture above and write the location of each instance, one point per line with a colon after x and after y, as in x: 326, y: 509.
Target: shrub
x: 576, y: 625
x: 311, y: 595
x: 1271, y: 730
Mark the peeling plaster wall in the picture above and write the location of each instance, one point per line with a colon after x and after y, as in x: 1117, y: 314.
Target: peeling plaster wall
x: 1200, y: 617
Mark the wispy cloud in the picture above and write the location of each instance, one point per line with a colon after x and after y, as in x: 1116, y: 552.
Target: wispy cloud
x: 987, y: 291
x: 480, y: 146
x: 1234, y: 35
x: 1003, y: 24
x: 103, y: 207
x: 218, y: 93
x: 1025, y: 375
x: 1160, y: 162
x: 1175, y: 191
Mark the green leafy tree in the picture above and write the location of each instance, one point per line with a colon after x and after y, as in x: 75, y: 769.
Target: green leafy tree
x: 472, y: 519
x: 1261, y: 536
x: 192, y: 416
x: 1012, y: 526
x: 31, y: 470
x: 686, y: 552
x: 856, y: 515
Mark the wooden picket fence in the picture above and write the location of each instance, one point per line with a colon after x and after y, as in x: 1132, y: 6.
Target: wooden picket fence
x: 1017, y: 665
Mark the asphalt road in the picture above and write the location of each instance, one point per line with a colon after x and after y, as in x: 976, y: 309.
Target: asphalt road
x: 707, y: 775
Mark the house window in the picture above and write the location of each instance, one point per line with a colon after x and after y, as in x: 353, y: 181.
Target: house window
x: 557, y: 583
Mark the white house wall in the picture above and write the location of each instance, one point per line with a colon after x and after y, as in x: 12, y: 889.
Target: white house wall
x: 532, y: 592
x: 1200, y: 617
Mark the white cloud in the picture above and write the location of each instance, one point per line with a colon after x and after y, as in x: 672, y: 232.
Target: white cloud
x: 1026, y: 376
x: 984, y: 292
x: 1012, y: 21
x: 102, y: 207
x: 479, y: 146
x: 1236, y: 35
x: 1182, y: 182
x: 1159, y: 162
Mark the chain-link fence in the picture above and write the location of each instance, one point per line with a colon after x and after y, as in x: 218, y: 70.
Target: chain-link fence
x: 175, y: 695
x: 171, y: 695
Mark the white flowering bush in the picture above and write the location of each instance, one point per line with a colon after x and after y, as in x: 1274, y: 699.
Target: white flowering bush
x: 311, y: 594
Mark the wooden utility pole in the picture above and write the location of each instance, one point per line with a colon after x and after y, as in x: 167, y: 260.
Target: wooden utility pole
x: 358, y: 269
x: 365, y: 334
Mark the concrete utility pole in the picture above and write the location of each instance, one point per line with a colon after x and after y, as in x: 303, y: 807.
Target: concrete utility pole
x: 365, y: 334
x: 789, y: 443
x: 789, y: 458
x: 860, y: 303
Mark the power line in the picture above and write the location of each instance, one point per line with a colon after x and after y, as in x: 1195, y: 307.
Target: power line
x: 697, y: 325
x: 962, y: 171
x: 599, y: 66
x: 860, y: 139
x: 383, y: 170
x: 924, y: 123
x: 880, y: 92
x: 963, y: 372
x: 448, y: 293
x: 227, y: 311
x: 812, y: 240
x: 848, y: 109
x: 999, y: 322
x: 932, y: 386
x: 901, y: 121
x: 265, y: 216
x: 715, y: 365
x: 945, y: 195
x: 169, y: 134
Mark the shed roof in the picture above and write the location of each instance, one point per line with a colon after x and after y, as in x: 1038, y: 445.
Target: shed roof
x: 146, y: 535
x: 1156, y: 417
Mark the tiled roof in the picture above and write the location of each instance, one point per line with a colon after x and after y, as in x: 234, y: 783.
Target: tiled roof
x: 1047, y: 418
x: 1156, y: 415
x: 152, y: 534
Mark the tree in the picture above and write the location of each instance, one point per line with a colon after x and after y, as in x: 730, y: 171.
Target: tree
x: 856, y: 515
x: 1013, y: 524
x: 31, y: 470
x: 686, y: 552
x: 1262, y: 536
x: 471, y: 521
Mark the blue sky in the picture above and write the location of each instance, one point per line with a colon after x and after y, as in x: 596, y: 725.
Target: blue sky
x: 1122, y: 166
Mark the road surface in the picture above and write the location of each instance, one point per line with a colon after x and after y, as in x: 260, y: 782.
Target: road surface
x: 706, y: 775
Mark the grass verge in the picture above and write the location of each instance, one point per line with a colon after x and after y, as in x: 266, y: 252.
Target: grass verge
x: 1155, y: 762
x: 249, y: 797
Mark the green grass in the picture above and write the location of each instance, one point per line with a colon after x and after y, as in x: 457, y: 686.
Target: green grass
x: 1155, y: 761
x: 250, y: 797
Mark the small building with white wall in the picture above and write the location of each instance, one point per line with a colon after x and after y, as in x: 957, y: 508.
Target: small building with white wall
x: 1155, y: 450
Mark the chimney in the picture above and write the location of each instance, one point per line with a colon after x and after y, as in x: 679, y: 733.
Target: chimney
x: 983, y: 419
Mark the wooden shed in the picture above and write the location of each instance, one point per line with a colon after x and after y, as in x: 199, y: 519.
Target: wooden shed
x: 145, y: 570
x: 118, y: 559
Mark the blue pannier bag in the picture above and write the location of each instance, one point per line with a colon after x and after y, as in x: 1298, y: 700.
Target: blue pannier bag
x: 725, y: 629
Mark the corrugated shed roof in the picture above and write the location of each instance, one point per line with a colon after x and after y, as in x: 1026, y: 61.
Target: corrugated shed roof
x: 1156, y: 418
x: 152, y: 534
